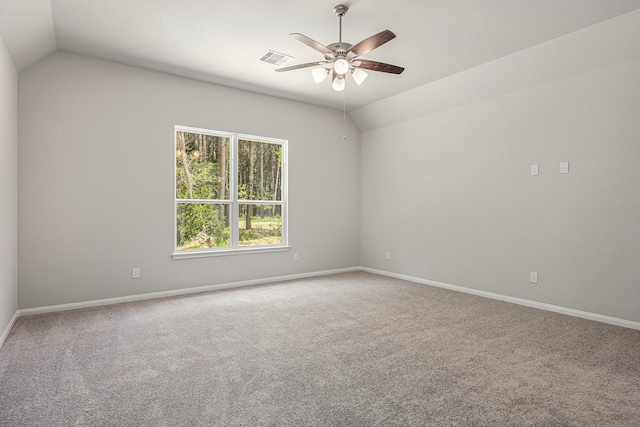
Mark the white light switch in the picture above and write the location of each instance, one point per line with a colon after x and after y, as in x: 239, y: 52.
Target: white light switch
x: 534, y: 169
x: 564, y: 167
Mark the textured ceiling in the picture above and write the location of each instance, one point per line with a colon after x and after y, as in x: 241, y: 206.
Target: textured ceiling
x: 221, y: 41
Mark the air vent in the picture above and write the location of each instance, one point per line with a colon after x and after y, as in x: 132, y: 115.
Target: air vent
x: 275, y: 58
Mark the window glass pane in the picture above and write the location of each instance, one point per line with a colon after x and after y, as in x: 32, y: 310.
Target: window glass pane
x: 260, y: 225
x: 202, y: 225
x: 202, y: 166
x: 259, y: 170
x: 211, y: 203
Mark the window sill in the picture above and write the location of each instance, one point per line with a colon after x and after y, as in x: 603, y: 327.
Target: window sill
x: 227, y: 252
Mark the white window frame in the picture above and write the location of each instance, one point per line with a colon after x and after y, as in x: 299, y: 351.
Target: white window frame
x: 234, y: 202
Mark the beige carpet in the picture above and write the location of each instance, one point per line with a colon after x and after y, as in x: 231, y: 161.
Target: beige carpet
x: 353, y: 349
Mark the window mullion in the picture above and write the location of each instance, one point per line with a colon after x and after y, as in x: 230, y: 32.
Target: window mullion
x: 234, y: 211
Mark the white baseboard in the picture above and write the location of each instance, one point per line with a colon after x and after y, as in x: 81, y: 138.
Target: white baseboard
x: 548, y: 307
x: 5, y: 334
x: 162, y: 294
x: 139, y: 297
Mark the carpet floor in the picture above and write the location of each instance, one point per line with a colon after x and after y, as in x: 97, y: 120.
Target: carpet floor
x: 352, y: 349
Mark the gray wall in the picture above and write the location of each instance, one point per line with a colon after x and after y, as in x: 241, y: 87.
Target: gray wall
x: 8, y: 188
x: 444, y: 171
x: 450, y: 194
x: 95, y: 177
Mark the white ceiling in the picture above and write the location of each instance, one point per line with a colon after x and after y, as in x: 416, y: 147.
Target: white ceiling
x: 220, y: 41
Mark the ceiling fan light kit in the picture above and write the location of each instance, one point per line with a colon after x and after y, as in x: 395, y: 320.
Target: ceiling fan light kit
x: 319, y: 74
x: 341, y: 58
x: 358, y: 75
x: 338, y: 83
x: 341, y: 66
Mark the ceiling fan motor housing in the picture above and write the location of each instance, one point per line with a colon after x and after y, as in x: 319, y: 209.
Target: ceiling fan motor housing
x: 340, y: 48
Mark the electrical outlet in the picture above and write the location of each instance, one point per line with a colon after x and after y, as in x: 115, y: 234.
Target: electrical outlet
x: 533, y: 277
x: 296, y: 258
x: 135, y: 273
x: 564, y: 167
x: 534, y: 169
x: 387, y: 255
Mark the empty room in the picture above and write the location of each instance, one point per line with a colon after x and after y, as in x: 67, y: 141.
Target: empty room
x: 320, y: 213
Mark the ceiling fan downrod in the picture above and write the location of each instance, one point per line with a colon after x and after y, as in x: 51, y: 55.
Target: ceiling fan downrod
x: 340, y: 10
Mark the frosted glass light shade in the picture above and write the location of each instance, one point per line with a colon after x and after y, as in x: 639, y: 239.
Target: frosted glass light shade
x: 359, y: 76
x: 319, y: 74
x: 338, y: 84
x: 341, y: 66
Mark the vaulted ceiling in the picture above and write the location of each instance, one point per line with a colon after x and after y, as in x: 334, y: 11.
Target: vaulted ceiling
x: 220, y: 41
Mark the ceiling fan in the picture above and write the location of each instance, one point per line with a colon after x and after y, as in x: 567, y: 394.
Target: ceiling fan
x: 343, y: 58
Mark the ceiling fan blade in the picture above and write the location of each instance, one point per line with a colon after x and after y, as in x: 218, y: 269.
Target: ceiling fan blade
x: 313, y: 44
x: 368, y: 44
x: 308, y: 64
x: 377, y: 66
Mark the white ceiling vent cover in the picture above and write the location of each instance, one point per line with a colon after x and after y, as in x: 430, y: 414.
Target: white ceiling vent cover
x: 275, y: 58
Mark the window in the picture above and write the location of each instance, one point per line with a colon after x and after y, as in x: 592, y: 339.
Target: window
x: 230, y: 193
